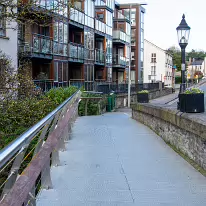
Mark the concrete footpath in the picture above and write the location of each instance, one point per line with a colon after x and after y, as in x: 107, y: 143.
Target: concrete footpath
x: 112, y: 160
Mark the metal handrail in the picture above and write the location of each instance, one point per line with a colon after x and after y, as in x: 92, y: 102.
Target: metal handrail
x: 9, y: 151
x: 76, y: 44
x: 43, y: 36
x: 43, y: 80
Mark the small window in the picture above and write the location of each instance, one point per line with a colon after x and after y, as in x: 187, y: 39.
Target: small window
x: 153, y: 70
x: 2, y: 21
x: 153, y: 58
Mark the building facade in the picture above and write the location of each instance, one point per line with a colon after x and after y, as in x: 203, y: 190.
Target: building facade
x: 158, y: 65
x: 8, y: 38
x: 82, y: 42
x: 196, y: 67
x: 135, y: 12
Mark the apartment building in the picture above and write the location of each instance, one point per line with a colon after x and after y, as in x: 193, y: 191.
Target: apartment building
x: 158, y: 64
x: 135, y: 13
x: 81, y: 42
x: 74, y: 48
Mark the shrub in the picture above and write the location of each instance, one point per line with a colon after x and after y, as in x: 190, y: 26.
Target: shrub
x: 92, y: 106
x: 178, y: 80
x: 193, y: 91
x: 17, y: 115
x: 143, y: 92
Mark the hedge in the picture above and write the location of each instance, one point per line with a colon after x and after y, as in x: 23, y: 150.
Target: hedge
x: 17, y: 115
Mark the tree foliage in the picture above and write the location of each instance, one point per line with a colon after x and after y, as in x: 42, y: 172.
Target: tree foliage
x: 33, y: 12
x: 176, y: 53
x: 21, y: 105
x: 196, y: 54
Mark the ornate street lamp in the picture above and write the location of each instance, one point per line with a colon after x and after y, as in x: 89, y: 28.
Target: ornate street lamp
x: 183, y: 32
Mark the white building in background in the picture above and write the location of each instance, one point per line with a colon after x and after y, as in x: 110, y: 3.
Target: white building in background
x: 8, y: 38
x: 195, y: 66
x: 157, y: 64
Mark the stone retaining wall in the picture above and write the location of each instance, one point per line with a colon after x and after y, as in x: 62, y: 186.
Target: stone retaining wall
x: 122, y: 99
x: 185, y: 133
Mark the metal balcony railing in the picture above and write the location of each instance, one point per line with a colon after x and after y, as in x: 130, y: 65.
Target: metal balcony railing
x: 60, y: 48
x: 118, y: 60
x: 99, y: 56
x: 44, y: 84
x: 118, y: 15
x: 89, y: 54
x: 100, y: 26
x: 39, y: 44
x: 120, y: 35
x: 76, y: 82
x: 76, y: 51
x: 77, y: 16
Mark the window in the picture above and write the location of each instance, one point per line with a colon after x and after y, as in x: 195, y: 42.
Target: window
x: 60, y: 71
x: 133, y: 41
x: 153, y: 70
x: 60, y: 46
x: 133, y: 32
x: 2, y: 21
x: 132, y: 55
x: 153, y: 58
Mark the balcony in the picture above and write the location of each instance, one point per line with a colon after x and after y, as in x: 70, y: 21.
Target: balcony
x: 89, y: 54
x: 100, y: 26
x: 39, y: 47
x: 119, y: 61
x: 77, y: 17
x: 60, y: 48
x: 120, y: 17
x: 76, y: 52
x: 120, y: 37
x: 99, y: 57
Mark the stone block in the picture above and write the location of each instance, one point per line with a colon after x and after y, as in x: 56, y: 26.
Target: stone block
x: 184, y: 132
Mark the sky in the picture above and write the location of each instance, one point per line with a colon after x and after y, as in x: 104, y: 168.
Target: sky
x: 163, y: 16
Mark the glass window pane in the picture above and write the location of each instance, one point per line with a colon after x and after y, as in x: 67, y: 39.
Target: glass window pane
x: 56, y: 31
x: 56, y: 71
x: 61, y: 36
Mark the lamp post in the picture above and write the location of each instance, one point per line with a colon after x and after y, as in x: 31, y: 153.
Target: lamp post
x: 130, y: 50
x: 183, y: 32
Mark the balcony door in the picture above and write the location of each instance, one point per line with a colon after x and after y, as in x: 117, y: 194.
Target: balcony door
x: 60, y: 72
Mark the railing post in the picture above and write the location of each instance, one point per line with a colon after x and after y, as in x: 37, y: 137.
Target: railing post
x: 99, y: 107
x: 14, y: 171
x: 32, y: 199
x: 46, y: 177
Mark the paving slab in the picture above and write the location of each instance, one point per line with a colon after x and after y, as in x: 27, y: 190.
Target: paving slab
x: 112, y: 160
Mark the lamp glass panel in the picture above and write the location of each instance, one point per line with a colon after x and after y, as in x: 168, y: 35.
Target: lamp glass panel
x: 183, y: 35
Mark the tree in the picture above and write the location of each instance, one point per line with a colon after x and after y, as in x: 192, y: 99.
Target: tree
x: 196, y: 54
x: 176, y: 54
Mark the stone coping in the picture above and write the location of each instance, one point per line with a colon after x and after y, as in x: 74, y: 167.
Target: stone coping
x: 188, y: 122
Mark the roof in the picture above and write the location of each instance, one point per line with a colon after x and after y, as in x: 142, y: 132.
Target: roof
x: 197, y: 62
x: 158, y: 47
